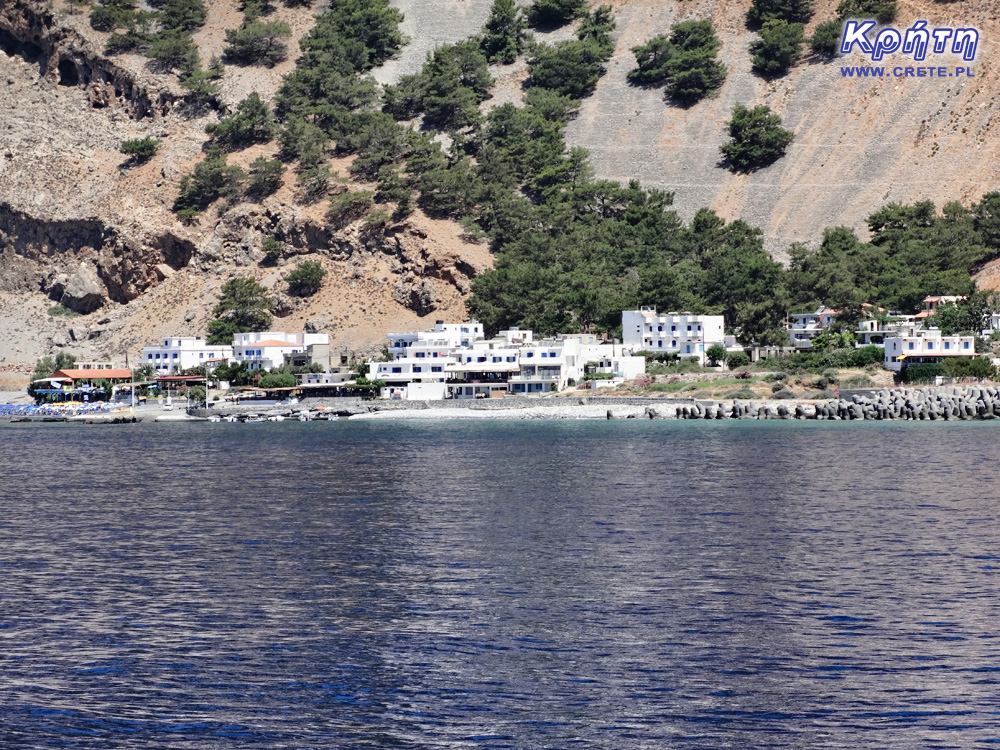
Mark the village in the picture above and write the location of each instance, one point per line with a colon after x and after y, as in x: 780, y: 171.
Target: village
x: 458, y: 362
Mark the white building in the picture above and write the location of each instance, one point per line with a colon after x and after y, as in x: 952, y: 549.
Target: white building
x: 184, y: 352
x: 685, y: 334
x: 450, y: 335
x: 874, y: 332
x: 931, y: 304
x: 925, y: 347
x: 556, y: 363
x: 804, y: 327
x: 483, y: 369
x: 423, y: 361
x: 264, y: 350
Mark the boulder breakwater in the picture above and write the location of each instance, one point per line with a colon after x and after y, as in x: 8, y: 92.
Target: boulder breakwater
x: 941, y: 403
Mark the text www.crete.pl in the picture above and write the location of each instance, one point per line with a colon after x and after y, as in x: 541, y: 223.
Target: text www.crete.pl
x: 868, y: 71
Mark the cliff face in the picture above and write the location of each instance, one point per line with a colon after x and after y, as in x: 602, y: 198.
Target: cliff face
x: 78, y: 226
x: 81, y: 227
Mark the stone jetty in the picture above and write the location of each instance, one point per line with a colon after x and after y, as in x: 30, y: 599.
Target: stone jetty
x: 943, y: 403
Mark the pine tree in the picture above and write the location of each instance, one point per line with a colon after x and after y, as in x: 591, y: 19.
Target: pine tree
x: 504, y: 35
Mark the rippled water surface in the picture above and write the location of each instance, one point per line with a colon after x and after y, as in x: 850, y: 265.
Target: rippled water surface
x: 523, y: 585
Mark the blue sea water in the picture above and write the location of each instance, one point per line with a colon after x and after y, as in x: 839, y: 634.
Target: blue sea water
x: 500, y: 585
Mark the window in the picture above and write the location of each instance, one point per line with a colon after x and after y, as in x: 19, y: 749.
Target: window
x: 435, y: 354
x: 436, y: 369
x: 930, y: 345
x: 416, y: 369
x: 511, y: 359
x: 498, y: 359
x: 947, y: 345
x: 544, y: 355
x: 397, y: 369
x: 529, y: 355
x: 673, y: 344
x: 659, y: 328
x: 201, y: 355
x: 480, y: 359
x: 673, y: 328
x: 420, y: 355
x: 150, y: 356
x: 911, y: 346
x: 689, y: 328
x: 659, y: 344
x: 965, y: 345
x: 157, y: 355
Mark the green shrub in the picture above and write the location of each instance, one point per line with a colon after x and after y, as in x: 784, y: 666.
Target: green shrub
x: 187, y: 15
x: 252, y: 122
x: 212, y: 179
x: 58, y: 311
x: 244, y: 306
x: 569, y: 68
x: 825, y: 40
x: 196, y: 394
x: 552, y: 13
x: 792, y: 11
x: 685, y: 62
x: 778, y: 49
x: 347, y: 207
x: 279, y: 380
x: 504, y: 36
x: 979, y: 368
x: 738, y: 359
x: 273, y: 249
x: 783, y: 393
x: 305, y: 279
x: 264, y: 177
x: 756, y: 138
x: 174, y: 49
x: 920, y: 373
x: 112, y: 14
x: 858, y: 381
x: 257, y: 43
x: 882, y: 11
x: 140, y: 149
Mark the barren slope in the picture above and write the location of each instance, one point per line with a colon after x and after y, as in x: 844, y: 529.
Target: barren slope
x: 67, y: 197
x: 859, y: 143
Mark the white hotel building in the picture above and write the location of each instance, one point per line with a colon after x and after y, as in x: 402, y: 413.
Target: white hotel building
x: 914, y: 346
x: 264, y: 350
x: 419, y: 359
x: 685, y: 334
x: 182, y: 353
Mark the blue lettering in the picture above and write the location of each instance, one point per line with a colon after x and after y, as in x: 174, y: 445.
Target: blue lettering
x: 941, y: 37
x: 966, y: 41
x: 898, y: 72
x: 921, y: 72
x: 909, y: 72
x: 887, y: 41
x: 917, y: 40
x: 855, y: 32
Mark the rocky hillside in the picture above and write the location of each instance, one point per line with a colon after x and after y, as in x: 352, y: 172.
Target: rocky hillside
x: 81, y: 228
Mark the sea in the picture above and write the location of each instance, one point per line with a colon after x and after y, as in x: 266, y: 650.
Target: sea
x: 500, y: 584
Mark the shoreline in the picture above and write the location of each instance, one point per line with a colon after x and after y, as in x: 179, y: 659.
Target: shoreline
x: 944, y: 403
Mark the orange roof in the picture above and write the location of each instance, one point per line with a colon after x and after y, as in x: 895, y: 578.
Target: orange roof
x: 270, y: 342
x: 94, y: 374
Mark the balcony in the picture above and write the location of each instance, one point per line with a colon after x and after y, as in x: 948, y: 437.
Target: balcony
x: 534, y: 379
